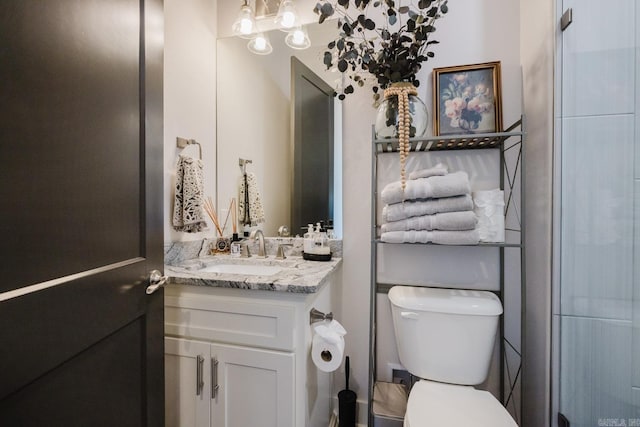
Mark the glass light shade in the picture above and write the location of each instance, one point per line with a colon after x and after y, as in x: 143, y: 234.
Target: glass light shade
x: 286, y: 17
x: 245, y: 24
x: 298, y: 39
x: 260, y: 45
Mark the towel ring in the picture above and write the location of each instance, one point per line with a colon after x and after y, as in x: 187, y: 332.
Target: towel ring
x: 183, y: 142
x: 243, y: 164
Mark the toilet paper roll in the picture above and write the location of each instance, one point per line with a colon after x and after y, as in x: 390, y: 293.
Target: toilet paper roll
x: 327, y: 354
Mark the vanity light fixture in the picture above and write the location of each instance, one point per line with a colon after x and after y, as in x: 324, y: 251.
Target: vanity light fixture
x: 298, y: 38
x: 260, y: 45
x: 287, y: 16
x: 245, y: 24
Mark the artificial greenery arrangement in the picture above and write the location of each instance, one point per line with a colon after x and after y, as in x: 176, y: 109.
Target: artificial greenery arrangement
x: 391, y: 50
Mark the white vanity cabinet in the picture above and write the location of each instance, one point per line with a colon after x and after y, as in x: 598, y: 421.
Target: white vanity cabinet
x: 241, y: 358
x: 225, y: 385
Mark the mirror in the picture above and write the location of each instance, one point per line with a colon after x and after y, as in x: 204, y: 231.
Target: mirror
x: 255, y: 121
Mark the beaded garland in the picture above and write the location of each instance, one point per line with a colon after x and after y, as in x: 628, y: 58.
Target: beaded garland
x: 402, y: 90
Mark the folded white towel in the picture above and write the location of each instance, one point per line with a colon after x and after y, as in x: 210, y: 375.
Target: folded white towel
x: 437, y: 170
x: 250, y: 209
x: 440, y: 237
x: 453, y: 221
x: 453, y: 184
x: 188, y: 214
x: 489, y: 206
x: 408, y: 209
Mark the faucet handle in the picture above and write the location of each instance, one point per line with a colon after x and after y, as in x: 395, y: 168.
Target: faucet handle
x: 244, y: 251
x: 281, y: 254
x: 283, y: 231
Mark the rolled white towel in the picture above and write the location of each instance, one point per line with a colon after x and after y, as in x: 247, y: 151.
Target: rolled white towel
x: 440, y: 237
x: 452, y: 221
x: 453, y: 184
x: 489, y: 207
x: 437, y: 170
x: 408, y: 209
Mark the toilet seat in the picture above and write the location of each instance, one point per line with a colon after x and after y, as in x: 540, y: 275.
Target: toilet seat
x: 433, y: 404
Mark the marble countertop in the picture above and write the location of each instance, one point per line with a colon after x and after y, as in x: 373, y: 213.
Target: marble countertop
x: 297, y: 275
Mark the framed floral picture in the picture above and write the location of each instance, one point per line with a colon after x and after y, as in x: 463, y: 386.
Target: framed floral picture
x: 467, y: 99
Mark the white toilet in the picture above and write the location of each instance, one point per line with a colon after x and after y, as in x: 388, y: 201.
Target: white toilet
x: 446, y: 337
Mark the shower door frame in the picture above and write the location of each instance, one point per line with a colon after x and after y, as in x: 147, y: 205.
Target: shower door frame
x: 556, y: 259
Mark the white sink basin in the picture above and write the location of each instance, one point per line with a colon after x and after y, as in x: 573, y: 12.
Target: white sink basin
x: 245, y: 269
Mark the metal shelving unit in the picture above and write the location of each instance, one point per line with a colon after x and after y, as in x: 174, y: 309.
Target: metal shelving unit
x: 511, y: 139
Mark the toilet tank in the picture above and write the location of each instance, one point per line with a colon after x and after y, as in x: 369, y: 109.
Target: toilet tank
x: 445, y: 335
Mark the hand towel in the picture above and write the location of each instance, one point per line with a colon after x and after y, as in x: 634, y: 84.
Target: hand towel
x: 188, y: 214
x: 250, y: 209
x: 408, y: 209
x: 453, y: 184
x: 489, y: 206
x: 467, y: 237
x: 452, y: 221
x: 437, y: 170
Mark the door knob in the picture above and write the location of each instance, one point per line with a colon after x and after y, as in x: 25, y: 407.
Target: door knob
x: 156, y: 280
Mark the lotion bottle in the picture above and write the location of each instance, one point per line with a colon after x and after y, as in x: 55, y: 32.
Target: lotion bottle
x: 321, y: 244
x: 308, y: 239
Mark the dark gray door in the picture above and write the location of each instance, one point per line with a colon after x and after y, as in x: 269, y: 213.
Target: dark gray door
x: 312, y: 101
x: 80, y: 212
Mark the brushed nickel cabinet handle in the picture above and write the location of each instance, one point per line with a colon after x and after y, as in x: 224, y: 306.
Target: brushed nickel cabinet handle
x: 199, y: 380
x: 214, y: 380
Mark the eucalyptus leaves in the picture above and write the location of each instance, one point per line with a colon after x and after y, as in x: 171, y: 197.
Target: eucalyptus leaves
x: 391, y: 50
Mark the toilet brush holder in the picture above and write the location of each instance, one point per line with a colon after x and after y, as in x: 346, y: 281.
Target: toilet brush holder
x: 347, y: 402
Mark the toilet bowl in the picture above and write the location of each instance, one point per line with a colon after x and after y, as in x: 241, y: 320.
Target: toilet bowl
x: 446, y: 337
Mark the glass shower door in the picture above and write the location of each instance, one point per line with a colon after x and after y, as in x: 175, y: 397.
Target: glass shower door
x: 599, y: 256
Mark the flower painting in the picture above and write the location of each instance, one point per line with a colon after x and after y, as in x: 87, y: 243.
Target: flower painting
x: 467, y: 99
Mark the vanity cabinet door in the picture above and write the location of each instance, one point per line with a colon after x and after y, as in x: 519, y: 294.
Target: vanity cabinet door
x: 187, y: 386
x: 255, y: 387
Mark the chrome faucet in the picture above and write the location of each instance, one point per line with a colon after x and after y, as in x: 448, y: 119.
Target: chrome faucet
x: 260, y: 236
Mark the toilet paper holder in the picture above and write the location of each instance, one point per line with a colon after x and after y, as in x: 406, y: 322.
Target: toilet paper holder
x: 318, y: 316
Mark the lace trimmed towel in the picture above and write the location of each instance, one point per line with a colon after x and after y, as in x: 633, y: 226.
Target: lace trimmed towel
x: 188, y: 214
x: 408, y: 209
x: 452, y: 221
x: 439, y: 237
x: 250, y: 209
x: 437, y: 170
x: 453, y: 184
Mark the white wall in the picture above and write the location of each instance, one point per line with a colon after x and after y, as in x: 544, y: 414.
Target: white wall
x: 189, y: 95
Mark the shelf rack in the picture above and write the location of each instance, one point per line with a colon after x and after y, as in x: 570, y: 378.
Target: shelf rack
x: 510, y: 139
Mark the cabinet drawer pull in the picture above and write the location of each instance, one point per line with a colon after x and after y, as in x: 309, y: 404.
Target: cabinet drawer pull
x: 199, y: 379
x: 214, y: 379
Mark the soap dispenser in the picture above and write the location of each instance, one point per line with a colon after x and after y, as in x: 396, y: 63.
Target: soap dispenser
x: 316, y: 244
x: 308, y: 239
x: 321, y: 241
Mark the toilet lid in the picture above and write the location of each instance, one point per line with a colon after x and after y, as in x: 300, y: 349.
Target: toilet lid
x: 438, y: 404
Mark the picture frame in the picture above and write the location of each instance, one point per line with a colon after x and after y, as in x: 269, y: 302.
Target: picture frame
x: 467, y: 99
